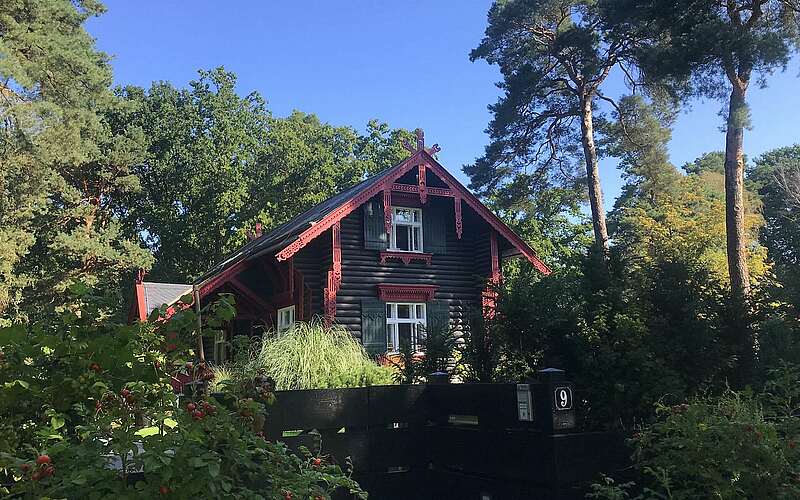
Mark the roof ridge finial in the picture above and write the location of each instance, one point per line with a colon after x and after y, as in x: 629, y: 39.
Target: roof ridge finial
x: 420, y: 146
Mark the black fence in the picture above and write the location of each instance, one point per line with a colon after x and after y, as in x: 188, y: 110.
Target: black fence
x: 451, y: 441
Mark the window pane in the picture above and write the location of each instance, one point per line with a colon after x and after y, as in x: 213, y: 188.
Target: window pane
x: 417, y: 215
x: 402, y: 238
x: 419, y: 330
x: 403, y: 311
x: 420, y: 311
x: 415, y: 239
x: 404, y: 332
x: 403, y: 215
x: 389, y: 308
x: 391, y: 337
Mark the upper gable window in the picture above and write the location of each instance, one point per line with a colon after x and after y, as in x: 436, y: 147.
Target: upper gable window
x: 406, y: 229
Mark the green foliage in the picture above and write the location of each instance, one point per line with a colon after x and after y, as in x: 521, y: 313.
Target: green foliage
x: 734, y: 445
x: 658, y: 324
x: 96, y: 398
x: 247, y: 166
x: 436, y: 353
x: 554, y: 55
x: 776, y: 175
x: 478, y: 352
x: 312, y: 356
x: 66, y: 150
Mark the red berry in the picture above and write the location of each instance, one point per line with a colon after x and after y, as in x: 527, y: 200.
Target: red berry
x: 25, y: 468
x: 164, y: 490
x: 198, y: 415
x: 191, y: 407
x: 189, y: 365
x: 287, y: 495
x: 125, y: 393
x: 49, y: 470
x: 317, y: 462
x: 37, y: 475
x: 43, y: 459
x: 95, y: 368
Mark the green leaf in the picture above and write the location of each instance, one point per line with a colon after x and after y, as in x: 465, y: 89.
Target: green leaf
x: 12, y: 335
x: 170, y: 423
x: 147, y: 431
x: 213, y: 469
x: 57, y: 422
x: 18, y: 382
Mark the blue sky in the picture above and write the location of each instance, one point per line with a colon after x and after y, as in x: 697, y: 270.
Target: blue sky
x: 406, y: 63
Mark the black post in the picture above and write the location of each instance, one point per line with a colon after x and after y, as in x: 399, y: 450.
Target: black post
x: 553, y: 395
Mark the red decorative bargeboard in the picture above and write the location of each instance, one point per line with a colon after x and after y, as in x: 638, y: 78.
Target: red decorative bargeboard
x: 406, y: 257
x: 387, y: 183
x: 406, y: 293
x: 334, y: 275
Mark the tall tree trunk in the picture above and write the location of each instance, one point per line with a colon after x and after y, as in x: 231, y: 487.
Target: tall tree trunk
x: 742, y: 334
x: 593, y: 174
x: 734, y: 193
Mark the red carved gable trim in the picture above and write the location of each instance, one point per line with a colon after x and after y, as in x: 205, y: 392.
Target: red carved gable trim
x: 334, y: 274
x: 387, y: 183
x: 459, y: 222
x: 487, y: 214
x: 423, y: 191
x: 410, y: 293
x: 405, y: 257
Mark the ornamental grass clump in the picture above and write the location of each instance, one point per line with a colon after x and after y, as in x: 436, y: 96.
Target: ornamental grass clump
x: 313, y: 356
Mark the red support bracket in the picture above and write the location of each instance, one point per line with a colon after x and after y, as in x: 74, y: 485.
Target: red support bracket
x: 459, y: 222
x: 334, y: 274
x: 387, y: 210
x: 490, y: 292
x: 423, y: 188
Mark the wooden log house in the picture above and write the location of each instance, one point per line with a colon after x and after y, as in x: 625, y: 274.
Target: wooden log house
x: 388, y: 257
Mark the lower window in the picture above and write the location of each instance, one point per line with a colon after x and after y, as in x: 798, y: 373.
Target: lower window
x: 285, y: 318
x: 220, y: 347
x: 405, y: 322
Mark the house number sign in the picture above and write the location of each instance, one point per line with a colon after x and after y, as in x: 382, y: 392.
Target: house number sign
x: 563, y: 397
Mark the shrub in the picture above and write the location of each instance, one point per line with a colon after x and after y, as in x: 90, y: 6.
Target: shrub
x: 312, y: 356
x: 438, y: 349
x: 87, y: 410
x: 736, y: 445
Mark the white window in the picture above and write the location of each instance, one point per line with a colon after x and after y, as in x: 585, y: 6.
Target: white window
x: 404, y: 320
x: 406, y: 229
x: 220, y: 351
x: 285, y: 318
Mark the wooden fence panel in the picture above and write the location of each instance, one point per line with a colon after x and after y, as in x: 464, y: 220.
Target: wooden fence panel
x: 390, y: 404
x: 318, y: 409
x: 449, y: 441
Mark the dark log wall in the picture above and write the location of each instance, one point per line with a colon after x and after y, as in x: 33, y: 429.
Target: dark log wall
x: 313, y: 261
x: 460, y: 272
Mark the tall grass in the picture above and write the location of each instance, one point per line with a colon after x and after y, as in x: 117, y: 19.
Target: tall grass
x: 312, y: 356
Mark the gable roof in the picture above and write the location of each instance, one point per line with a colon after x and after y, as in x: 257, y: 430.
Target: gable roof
x: 150, y: 295
x: 158, y: 294
x: 291, y: 236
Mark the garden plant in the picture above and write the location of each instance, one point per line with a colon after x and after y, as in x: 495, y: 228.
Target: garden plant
x: 88, y: 410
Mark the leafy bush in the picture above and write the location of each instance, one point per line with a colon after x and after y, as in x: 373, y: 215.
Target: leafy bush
x: 736, y: 445
x: 313, y: 356
x: 87, y: 410
x: 437, y: 352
